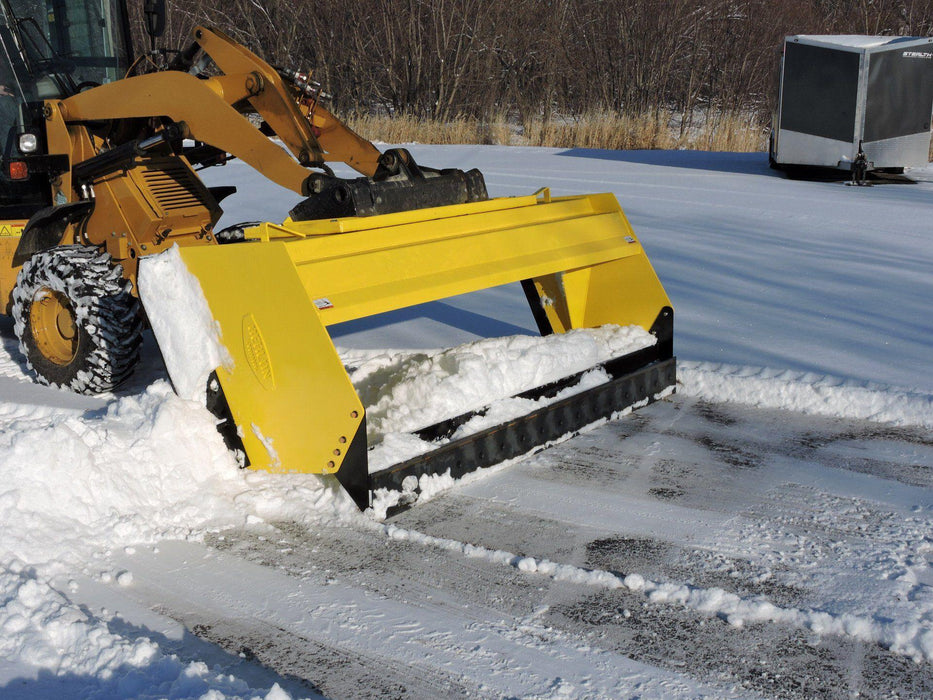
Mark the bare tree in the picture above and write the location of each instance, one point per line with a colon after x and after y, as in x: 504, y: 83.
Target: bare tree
x: 532, y: 58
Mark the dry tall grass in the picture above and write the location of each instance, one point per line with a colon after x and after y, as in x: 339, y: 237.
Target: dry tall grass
x: 408, y: 129
x: 722, y: 132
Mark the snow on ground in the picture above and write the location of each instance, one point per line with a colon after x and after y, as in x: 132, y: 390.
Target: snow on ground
x: 145, y: 468
x: 763, y: 271
x: 812, y: 297
x: 805, y: 392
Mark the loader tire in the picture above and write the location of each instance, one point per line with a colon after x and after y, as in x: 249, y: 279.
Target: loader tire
x: 77, y: 323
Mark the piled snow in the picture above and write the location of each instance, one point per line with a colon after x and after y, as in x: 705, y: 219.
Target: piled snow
x: 149, y: 467
x: 405, y: 390
x: 804, y: 392
x: 181, y: 321
x: 41, y: 628
x: 136, y: 472
x: 74, y: 486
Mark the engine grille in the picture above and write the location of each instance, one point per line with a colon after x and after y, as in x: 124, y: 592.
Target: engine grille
x: 174, y: 186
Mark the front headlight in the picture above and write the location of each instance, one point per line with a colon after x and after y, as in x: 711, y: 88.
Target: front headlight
x: 28, y: 143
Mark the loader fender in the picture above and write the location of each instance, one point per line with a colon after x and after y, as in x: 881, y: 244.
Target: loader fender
x: 46, y: 228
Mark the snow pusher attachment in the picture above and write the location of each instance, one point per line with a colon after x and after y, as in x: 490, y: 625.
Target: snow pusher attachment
x: 289, y: 401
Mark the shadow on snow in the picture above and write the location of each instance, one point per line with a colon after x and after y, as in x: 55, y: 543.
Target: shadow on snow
x: 724, y: 162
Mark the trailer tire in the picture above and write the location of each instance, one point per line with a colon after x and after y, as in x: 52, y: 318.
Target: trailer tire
x: 78, y: 325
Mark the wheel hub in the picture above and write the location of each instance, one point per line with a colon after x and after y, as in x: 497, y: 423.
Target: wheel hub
x: 52, y: 319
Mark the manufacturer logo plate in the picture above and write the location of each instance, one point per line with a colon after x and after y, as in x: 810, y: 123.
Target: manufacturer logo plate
x: 257, y: 355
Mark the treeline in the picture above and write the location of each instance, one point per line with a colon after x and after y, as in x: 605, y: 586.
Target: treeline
x: 531, y: 59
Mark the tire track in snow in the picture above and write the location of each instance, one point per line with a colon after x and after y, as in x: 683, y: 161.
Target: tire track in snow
x: 590, y: 606
x: 708, y: 467
x: 676, y: 467
x: 908, y: 639
x: 340, y: 631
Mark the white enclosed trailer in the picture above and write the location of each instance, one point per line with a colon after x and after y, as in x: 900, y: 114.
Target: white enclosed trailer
x: 854, y: 103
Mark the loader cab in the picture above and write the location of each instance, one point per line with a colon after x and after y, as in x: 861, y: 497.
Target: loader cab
x: 49, y: 49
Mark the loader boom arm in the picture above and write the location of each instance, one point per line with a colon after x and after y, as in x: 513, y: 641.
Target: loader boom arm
x: 206, y: 107
x: 202, y: 106
x: 311, y: 133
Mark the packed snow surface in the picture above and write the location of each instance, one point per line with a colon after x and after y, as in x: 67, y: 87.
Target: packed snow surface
x: 811, y: 297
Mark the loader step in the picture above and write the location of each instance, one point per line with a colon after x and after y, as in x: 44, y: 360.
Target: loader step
x: 631, y: 382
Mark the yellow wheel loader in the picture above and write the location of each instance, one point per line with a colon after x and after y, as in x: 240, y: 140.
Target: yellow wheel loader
x: 98, y: 177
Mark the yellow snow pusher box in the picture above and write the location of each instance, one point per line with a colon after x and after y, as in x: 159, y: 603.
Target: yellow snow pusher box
x: 287, y: 397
